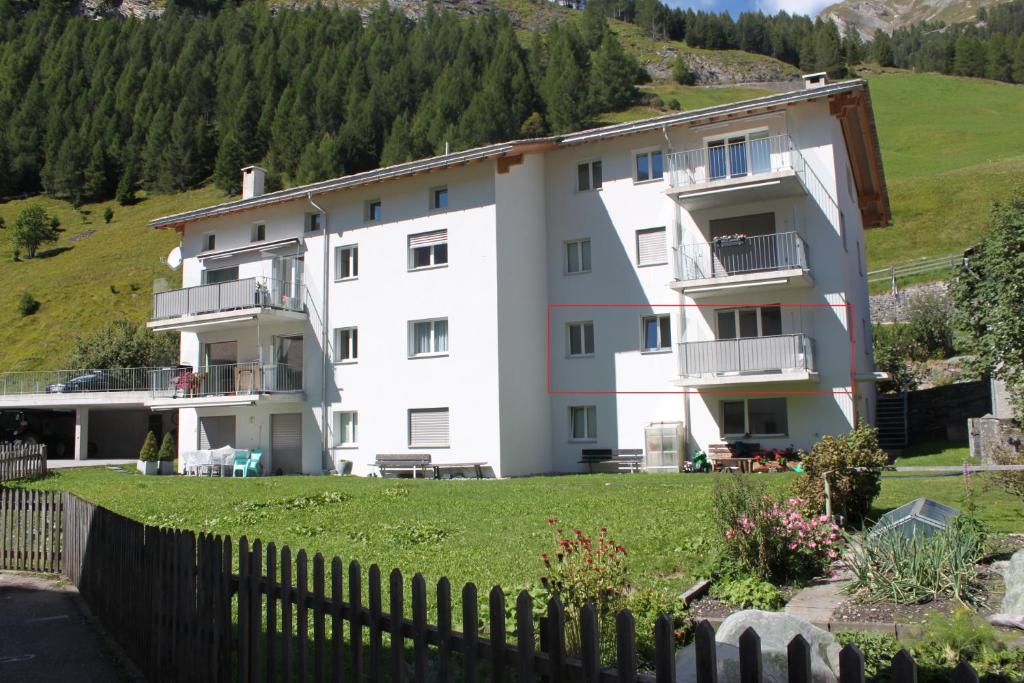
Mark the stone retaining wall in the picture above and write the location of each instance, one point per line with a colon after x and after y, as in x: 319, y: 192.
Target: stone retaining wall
x: 885, y: 309
x: 943, y: 412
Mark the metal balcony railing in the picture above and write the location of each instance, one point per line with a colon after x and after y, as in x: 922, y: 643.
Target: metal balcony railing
x: 750, y: 355
x: 234, y: 379
x: 227, y: 296
x: 721, y: 258
x: 83, y: 381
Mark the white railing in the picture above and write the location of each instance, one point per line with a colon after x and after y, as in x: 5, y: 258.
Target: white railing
x: 233, y: 379
x: 724, y: 257
x: 83, y: 381
x: 250, y: 292
x: 750, y: 355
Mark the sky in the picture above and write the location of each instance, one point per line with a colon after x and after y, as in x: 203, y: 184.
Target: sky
x: 734, y: 7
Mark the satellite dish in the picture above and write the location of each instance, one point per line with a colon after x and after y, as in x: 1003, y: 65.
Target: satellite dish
x: 174, y: 258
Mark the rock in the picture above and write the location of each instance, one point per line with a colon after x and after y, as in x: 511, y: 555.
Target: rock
x: 776, y: 629
x: 1012, y: 607
x: 728, y: 666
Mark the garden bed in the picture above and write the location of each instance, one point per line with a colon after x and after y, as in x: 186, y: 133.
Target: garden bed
x: 710, y: 607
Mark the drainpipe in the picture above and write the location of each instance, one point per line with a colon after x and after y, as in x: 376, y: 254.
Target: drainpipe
x: 323, y: 336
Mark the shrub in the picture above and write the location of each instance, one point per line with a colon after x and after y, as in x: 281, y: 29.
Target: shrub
x: 33, y: 228
x: 851, y: 492
x: 774, y: 540
x: 149, y: 452
x: 928, y: 323
x: 894, y: 350
x: 682, y: 73
x: 888, y: 566
x: 124, y: 344
x: 748, y: 593
x: 1011, y: 482
x: 647, y: 605
x: 168, y: 449
x: 108, y: 215
x: 656, y: 102
x: 674, y: 104
x: 27, y: 305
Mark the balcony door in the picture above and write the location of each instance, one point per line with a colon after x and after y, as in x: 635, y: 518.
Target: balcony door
x: 738, y: 156
x: 746, y: 323
x: 287, y: 286
x: 743, y: 244
x: 221, y: 359
x: 287, y: 374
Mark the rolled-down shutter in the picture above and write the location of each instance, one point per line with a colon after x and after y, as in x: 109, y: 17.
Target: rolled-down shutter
x: 286, y: 442
x: 428, y: 427
x: 650, y: 247
x: 216, y: 432
x: 428, y: 239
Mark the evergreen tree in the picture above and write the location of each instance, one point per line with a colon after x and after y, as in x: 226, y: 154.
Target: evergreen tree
x: 853, y: 46
x: 398, y: 145
x: 1018, y: 62
x: 612, y: 77
x: 565, y: 77
x: 227, y: 169
x: 882, y: 48
x: 828, y: 52
x: 970, y: 59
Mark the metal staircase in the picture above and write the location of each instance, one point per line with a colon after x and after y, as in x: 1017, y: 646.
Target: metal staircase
x: 891, y: 421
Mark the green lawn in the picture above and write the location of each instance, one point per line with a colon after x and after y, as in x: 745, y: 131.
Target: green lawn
x: 489, y: 532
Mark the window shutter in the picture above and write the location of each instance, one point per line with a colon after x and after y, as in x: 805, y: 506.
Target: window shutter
x: 650, y: 247
x: 428, y: 427
x: 216, y: 431
x: 428, y: 239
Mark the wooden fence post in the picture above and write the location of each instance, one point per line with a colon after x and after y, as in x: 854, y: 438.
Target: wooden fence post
x: 470, y: 632
x: 590, y: 644
x: 396, y: 595
x: 750, y: 657
x: 496, y: 607
x: 798, y: 659
x: 444, y: 630
x: 904, y: 668
x: 851, y: 664
x: 525, y: 638
x: 419, y: 626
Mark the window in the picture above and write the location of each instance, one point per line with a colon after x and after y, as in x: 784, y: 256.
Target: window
x: 346, y: 262
x: 583, y: 423
x: 842, y: 229
x: 649, y: 166
x: 656, y: 333
x: 755, y: 417
x: 372, y: 211
x: 428, y: 249
x: 428, y: 427
x: 314, y: 222
x: 588, y: 176
x: 742, y: 323
x: 577, y: 256
x: 346, y: 345
x: 259, y: 232
x: 347, y: 428
x: 581, y: 339
x: 428, y: 337
x: 209, y: 242
x: 215, y: 275
x: 439, y: 199
x: 739, y: 155
x: 865, y: 338
x: 860, y: 261
x: 650, y: 247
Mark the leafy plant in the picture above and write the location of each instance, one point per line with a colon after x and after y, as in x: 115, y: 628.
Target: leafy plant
x: 894, y: 352
x: 682, y: 73
x: 834, y: 457
x: 888, y: 566
x: 124, y: 344
x: 33, y: 228
x: 928, y: 324
x: 168, y: 449
x: 647, y: 605
x: 748, y: 593
x: 149, y: 452
x: 1011, y: 481
x: 27, y: 305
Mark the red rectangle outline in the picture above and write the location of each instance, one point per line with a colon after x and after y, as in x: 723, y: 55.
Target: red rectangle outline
x: 834, y: 392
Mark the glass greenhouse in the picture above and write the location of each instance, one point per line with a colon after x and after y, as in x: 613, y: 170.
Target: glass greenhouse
x: 923, y: 516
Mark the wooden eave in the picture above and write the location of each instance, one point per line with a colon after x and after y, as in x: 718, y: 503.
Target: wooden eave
x: 853, y: 110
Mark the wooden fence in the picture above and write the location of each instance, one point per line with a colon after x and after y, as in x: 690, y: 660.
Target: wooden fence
x: 31, y: 530
x: 22, y: 461
x: 175, y: 603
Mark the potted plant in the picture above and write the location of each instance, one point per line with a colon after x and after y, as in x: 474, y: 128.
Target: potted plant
x: 148, y: 456
x: 730, y: 240
x: 195, y: 382
x: 167, y: 454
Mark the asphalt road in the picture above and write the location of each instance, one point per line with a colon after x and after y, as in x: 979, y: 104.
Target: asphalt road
x: 44, y: 636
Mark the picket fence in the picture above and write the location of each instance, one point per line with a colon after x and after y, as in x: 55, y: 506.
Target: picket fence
x: 21, y: 461
x: 175, y: 603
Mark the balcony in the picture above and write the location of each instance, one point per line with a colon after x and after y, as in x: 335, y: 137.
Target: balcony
x: 727, y: 265
x: 738, y: 171
x: 229, y: 302
x: 227, y: 385
x: 751, y: 360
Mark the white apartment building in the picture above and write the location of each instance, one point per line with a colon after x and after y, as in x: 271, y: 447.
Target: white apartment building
x: 698, y: 276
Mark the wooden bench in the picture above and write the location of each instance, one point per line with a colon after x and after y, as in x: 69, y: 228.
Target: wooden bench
x: 402, y: 462
x: 624, y: 459
x: 723, y: 455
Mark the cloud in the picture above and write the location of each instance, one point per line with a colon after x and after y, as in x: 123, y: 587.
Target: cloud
x: 808, y: 7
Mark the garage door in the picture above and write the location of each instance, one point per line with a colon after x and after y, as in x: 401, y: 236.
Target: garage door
x: 286, y: 443
x: 216, y: 431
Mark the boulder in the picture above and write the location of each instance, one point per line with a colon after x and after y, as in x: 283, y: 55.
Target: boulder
x: 775, y: 629
x: 1011, y: 611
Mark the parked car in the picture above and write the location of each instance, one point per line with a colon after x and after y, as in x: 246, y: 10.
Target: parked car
x: 98, y: 380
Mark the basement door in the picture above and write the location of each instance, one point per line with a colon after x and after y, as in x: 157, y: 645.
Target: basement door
x: 286, y: 443
x: 216, y: 431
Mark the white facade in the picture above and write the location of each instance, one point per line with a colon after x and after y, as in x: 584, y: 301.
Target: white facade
x: 517, y: 334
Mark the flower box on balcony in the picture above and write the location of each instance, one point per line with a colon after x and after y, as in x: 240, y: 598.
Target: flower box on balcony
x: 731, y: 241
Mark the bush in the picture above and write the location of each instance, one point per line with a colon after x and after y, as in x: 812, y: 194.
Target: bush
x: 27, y: 305
x: 773, y: 540
x: 33, y: 228
x: 748, y: 593
x: 647, y: 605
x: 149, y: 452
x: 890, y: 567
x: 168, y: 449
x: 124, y: 344
x: 656, y: 102
x: 674, y: 104
x: 894, y: 350
x: 851, y: 492
x: 1011, y: 482
x: 681, y: 72
x: 108, y: 215
x: 928, y: 324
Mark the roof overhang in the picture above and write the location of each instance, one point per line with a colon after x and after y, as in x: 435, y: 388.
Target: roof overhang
x: 853, y: 110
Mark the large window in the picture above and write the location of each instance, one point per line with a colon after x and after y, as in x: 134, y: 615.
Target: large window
x: 649, y: 165
x: 581, y: 338
x: 650, y: 247
x: 656, y: 333
x: 346, y: 345
x: 588, y: 176
x: 739, y: 155
x: 577, y: 256
x: 428, y: 337
x: 346, y: 262
x: 583, y: 423
x: 737, y: 323
x: 428, y: 428
x: 428, y: 249
x: 347, y: 428
x: 755, y: 417
x: 215, y: 275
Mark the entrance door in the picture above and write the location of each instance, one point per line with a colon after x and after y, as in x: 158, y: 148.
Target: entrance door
x: 221, y: 359
x: 216, y: 431
x: 286, y: 443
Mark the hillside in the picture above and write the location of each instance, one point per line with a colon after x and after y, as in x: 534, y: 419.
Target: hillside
x: 869, y: 15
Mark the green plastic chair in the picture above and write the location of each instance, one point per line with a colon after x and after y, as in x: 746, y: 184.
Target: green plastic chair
x: 239, y: 463
x: 253, y: 464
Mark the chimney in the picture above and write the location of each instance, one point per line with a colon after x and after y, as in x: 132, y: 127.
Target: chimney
x: 252, y: 181
x: 815, y: 80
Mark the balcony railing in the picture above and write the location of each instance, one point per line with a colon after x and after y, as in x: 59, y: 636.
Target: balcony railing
x: 83, y: 381
x: 747, y: 356
x: 721, y: 258
x: 234, y: 379
x: 741, y: 159
x: 227, y: 296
